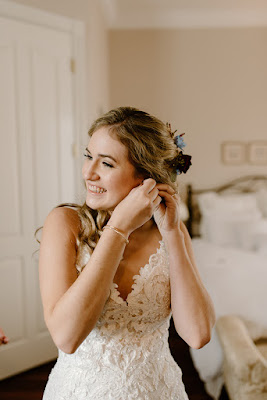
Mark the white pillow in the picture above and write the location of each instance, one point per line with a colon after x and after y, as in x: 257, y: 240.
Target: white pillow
x: 252, y: 234
x: 228, y: 229
x: 230, y: 203
x: 261, y: 197
x: 206, y: 202
x: 259, y: 236
x: 226, y: 219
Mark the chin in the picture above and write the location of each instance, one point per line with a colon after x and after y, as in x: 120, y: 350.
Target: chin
x: 99, y: 207
x: 103, y: 204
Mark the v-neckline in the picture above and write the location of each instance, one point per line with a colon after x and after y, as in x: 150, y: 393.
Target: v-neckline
x: 136, y: 277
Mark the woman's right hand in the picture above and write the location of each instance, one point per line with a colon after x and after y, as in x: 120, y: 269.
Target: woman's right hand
x: 137, y: 207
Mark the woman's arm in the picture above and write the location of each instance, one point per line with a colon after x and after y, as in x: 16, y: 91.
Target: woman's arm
x: 73, y: 305
x: 192, y: 308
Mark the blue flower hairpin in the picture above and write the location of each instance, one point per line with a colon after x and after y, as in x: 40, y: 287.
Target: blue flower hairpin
x: 182, y: 161
x: 179, y: 141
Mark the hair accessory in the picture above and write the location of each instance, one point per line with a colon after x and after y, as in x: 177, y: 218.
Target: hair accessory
x: 117, y: 231
x: 182, y: 161
x: 179, y: 141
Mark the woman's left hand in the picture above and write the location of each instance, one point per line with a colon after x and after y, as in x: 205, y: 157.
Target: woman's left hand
x: 167, y: 214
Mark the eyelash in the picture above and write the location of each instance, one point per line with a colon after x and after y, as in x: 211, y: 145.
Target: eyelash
x: 107, y: 164
x: 104, y: 162
x: 88, y: 156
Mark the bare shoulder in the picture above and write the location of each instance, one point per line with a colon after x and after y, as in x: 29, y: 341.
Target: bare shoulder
x: 63, y: 220
x: 58, y: 253
x: 58, y: 248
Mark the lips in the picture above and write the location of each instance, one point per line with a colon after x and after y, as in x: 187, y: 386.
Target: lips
x: 96, y: 189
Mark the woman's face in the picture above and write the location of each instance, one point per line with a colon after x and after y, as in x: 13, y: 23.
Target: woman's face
x: 108, y: 174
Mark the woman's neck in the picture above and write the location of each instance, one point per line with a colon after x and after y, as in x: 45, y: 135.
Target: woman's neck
x: 146, y: 229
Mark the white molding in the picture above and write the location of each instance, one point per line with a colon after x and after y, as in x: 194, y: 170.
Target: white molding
x: 28, y: 14
x: 10, y: 9
x: 170, y: 15
x: 110, y: 10
x: 80, y: 106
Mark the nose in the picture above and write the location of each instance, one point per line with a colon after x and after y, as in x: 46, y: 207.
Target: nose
x: 89, y: 170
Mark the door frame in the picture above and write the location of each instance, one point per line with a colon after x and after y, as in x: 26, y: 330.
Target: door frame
x: 77, y: 30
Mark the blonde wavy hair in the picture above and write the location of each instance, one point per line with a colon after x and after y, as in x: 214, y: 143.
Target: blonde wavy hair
x: 151, y: 150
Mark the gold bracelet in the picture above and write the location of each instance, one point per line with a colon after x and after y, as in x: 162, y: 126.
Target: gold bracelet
x: 117, y: 231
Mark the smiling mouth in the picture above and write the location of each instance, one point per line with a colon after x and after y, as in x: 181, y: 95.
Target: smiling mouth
x: 96, y: 189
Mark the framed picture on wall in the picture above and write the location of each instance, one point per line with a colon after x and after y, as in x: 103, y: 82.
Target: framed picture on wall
x: 257, y: 152
x: 233, y: 153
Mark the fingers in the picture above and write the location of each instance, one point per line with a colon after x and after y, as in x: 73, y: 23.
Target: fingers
x: 165, y: 194
x: 153, y: 194
x: 166, y: 188
x: 159, y: 191
x: 149, y: 188
x: 149, y: 184
x: 176, y: 197
x: 157, y: 202
x: 170, y: 200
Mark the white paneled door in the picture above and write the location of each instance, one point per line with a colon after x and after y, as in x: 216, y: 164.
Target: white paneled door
x: 37, y: 172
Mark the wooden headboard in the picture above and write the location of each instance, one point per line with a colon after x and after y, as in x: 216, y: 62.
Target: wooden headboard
x: 245, y: 184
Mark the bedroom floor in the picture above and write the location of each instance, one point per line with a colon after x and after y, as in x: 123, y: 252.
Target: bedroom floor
x: 30, y: 385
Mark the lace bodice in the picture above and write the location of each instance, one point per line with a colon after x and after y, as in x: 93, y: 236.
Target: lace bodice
x: 126, y: 356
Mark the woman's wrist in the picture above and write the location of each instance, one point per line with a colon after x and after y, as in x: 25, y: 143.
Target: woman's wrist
x: 117, y: 231
x: 171, y: 236
x: 120, y: 225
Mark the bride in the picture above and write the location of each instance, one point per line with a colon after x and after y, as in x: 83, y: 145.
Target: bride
x: 114, y: 270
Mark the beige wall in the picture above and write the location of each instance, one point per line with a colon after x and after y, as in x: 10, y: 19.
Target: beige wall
x: 209, y: 83
x: 89, y: 12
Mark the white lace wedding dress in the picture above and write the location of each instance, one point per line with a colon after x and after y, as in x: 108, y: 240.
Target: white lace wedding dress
x: 126, y: 356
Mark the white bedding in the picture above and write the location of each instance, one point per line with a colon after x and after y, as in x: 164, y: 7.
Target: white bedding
x: 237, y: 283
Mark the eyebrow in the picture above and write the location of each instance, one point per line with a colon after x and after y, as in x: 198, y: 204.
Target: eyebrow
x: 103, y: 155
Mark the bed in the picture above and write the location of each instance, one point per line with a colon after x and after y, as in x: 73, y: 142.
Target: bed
x: 228, y: 226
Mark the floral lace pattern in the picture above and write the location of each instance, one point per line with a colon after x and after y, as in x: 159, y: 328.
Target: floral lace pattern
x: 126, y: 356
